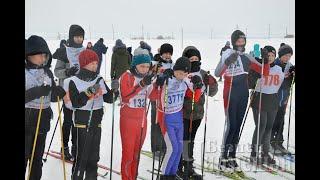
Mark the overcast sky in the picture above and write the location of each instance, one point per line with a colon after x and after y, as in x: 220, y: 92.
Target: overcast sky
x: 166, y: 17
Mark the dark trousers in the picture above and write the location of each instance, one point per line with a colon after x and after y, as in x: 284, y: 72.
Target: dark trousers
x: 68, y: 127
x: 36, y: 170
x: 157, y: 140
x: 277, y: 130
x: 87, y: 153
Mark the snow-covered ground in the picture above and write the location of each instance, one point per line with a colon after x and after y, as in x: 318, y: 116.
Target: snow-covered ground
x: 210, y: 50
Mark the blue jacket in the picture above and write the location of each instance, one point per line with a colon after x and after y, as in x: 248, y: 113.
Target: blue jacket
x: 100, y: 49
x: 284, y: 91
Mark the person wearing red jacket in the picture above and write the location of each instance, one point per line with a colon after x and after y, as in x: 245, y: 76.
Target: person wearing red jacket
x: 135, y: 89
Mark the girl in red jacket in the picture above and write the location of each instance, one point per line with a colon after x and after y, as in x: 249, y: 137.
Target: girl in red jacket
x: 135, y: 87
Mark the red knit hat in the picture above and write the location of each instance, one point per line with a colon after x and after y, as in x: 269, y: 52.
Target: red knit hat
x: 86, y: 57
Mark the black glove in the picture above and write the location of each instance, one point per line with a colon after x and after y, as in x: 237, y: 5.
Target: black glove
x: 232, y: 58
x: 72, y: 71
x: 92, y: 89
x: 292, y: 69
x: 168, y: 73
x: 36, y: 92
x: 160, y: 80
x: 264, y: 55
x: 197, y: 82
x: 146, y: 80
x: 58, y: 91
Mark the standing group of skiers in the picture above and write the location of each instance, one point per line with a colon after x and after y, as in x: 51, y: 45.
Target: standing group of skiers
x: 175, y: 91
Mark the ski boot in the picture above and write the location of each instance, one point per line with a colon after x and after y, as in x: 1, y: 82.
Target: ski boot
x: 180, y: 172
x: 67, y: 154
x: 190, y: 172
x: 283, y: 150
x: 266, y: 159
x: 224, y: 165
x: 274, y: 149
x: 253, y: 158
x: 236, y: 168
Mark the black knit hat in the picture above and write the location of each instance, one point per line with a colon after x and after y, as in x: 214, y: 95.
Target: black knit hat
x: 166, y: 48
x: 237, y: 34
x: 271, y: 49
x: 285, y: 49
x: 193, y: 52
x: 75, y: 30
x: 183, y: 64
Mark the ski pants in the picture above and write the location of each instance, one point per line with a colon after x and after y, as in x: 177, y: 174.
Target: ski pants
x: 87, y: 153
x: 67, y: 126
x: 31, y: 119
x: 188, y: 143
x: 130, y: 129
x: 174, y: 142
x: 277, y: 129
x: 87, y: 144
x: 157, y: 141
x: 237, y: 107
x: 36, y: 170
x: 265, y: 128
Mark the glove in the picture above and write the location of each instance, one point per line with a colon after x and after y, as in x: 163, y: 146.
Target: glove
x: 264, y: 55
x: 168, y: 73
x: 92, y: 89
x: 160, y: 80
x: 197, y: 82
x: 115, y: 85
x: 209, y: 80
x: 72, y: 71
x: 58, y: 91
x: 42, y: 90
x: 292, y: 69
x: 146, y: 80
x: 232, y: 58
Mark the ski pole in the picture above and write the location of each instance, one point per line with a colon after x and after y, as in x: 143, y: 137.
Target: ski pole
x: 259, y: 115
x: 164, y: 111
x: 54, y: 131
x: 190, y: 128
x: 290, y: 111
x: 61, y: 137
x: 35, y: 136
x: 205, y: 130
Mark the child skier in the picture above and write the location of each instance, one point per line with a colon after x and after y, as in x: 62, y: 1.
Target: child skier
x: 235, y: 64
x: 86, y: 92
x: 171, y: 115
x: 68, y: 65
x: 268, y: 86
x: 193, y: 55
x: 285, y: 52
x: 161, y: 62
x: 135, y: 88
x: 40, y: 90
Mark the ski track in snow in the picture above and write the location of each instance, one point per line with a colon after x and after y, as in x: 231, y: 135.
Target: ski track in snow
x: 210, y: 50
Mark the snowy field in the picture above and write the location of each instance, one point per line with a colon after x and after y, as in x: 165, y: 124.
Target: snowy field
x: 210, y: 50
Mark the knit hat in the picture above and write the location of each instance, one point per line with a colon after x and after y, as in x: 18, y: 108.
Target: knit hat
x: 183, y: 64
x: 86, y: 57
x: 271, y: 49
x: 144, y: 45
x: 166, y: 48
x: 193, y: 52
x: 237, y: 34
x: 140, y: 56
x: 119, y: 44
x: 285, y: 49
x: 75, y: 30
